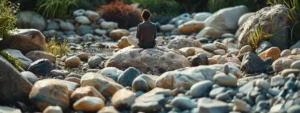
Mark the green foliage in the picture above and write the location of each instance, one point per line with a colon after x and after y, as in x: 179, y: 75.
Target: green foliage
x: 253, y: 5
x: 56, y: 8
x: 293, y: 15
x: 258, y: 36
x: 163, y: 7
x: 7, y: 17
x: 16, y: 63
x: 89, y: 4
x: 57, y: 49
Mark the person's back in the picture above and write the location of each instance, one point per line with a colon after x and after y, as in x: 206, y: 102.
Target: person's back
x: 146, y: 33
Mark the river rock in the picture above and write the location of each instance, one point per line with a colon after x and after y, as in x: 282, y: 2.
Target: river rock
x: 92, y: 15
x: 5, y: 109
x: 154, y: 60
x: 24, y: 40
x: 109, y: 25
x: 83, y: 30
x: 167, y: 28
x: 118, y: 34
x: 272, y: 20
x: 41, y: 67
x: 111, y: 72
x: 201, y: 88
x: 191, y: 27
x: 25, y: 62
x: 19, y: 88
x: 241, y: 106
x: 123, y: 98
x: 186, y: 77
x: 225, y: 79
x: 106, y: 86
x: 94, y: 61
x: 123, y: 42
x: 66, y: 26
x: 72, y: 61
x: 273, y: 52
x: 127, y: 77
x: 85, y: 91
x: 295, y: 65
x: 53, y: 109
x: 209, y: 32
x: 183, y: 103
x: 52, y: 25
x: 31, y: 77
x: 108, y: 109
x: 181, y: 42
x: 89, y: 104
x: 252, y: 63
x: 210, y: 47
x: 78, y: 12
x: 201, y: 16
x: 285, y: 53
x: 49, y: 92
x: 82, y: 20
x: 199, y: 59
x: 36, y: 55
x: 244, y: 18
x: 226, y: 20
x: 212, y: 106
x: 281, y: 64
x: 263, y: 46
x: 144, y: 83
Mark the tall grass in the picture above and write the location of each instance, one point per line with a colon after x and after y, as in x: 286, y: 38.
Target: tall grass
x: 257, y: 36
x: 293, y: 15
x: 57, y: 49
x: 56, y: 8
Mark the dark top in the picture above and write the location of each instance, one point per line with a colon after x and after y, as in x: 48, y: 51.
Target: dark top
x: 146, y: 34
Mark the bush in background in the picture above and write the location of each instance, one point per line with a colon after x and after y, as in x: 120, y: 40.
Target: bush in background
x: 162, y: 7
x: 125, y: 15
x: 7, y: 17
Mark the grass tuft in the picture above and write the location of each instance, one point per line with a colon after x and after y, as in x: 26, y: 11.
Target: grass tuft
x: 16, y: 63
x: 57, y: 49
x: 56, y: 8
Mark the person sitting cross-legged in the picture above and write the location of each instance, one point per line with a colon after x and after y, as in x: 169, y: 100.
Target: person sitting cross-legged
x: 146, y: 33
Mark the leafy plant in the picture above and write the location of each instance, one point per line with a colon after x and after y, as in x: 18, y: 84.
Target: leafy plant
x: 257, y: 36
x: 7, y: 17
x: 165, y: 7
x: 56, y: 8
x: 57, y: 49
x: 16, y: 63
x: 125, y: 15
x: 293, y: 15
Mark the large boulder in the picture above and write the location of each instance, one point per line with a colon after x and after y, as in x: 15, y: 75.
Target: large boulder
x: 272, y: 20
x: 182, y: 41
x: 186, y: 77
x: 24, y: 40
x: 25, y: 62
x: 154, y: 60
x: 226, y: 20
x: 13, y: 87
x: 50, y: 92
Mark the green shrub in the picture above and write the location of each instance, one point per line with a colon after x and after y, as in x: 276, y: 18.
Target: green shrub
x: 7, y: 17
x: 163, y: 7
x: 125, y: 15
x: 56, y: 8
x: 16, y: 63
x: 253, y: 5
x: 57, y: 49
